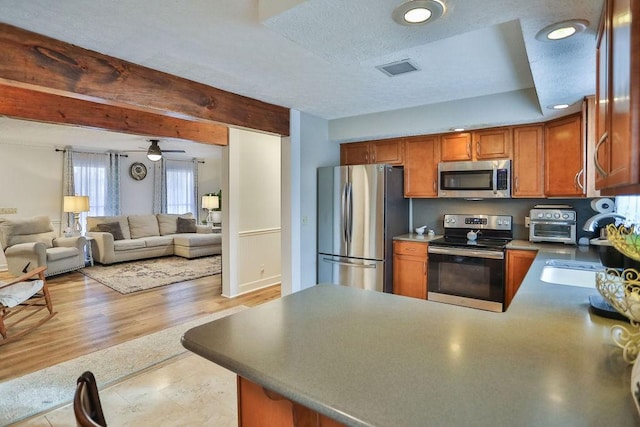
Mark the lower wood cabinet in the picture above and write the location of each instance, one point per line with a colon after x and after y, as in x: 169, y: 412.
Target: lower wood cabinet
x: 259, y: 407
x: 518, y: 264
x: 410, y: 269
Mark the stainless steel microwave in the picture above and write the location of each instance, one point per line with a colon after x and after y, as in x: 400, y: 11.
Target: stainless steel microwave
x: 481, y: 179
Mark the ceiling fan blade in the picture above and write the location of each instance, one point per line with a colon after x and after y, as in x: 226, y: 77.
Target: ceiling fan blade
x: 173, y: 151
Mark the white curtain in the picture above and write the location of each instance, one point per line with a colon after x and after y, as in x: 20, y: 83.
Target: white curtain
x: 629, y: 206
x: 97, y: 176
x: 181, y: 186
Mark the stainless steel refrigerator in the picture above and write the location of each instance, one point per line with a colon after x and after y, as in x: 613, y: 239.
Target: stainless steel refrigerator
x: 360, y: 209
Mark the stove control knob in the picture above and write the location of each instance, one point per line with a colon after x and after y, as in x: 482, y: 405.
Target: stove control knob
x: 547, y: 215
x: 452, y: 220
x: 556, y: 215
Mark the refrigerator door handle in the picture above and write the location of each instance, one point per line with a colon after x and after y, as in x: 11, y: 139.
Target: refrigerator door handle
x: 348, y: 264
x: 350, y: 210
x: 344, y: 213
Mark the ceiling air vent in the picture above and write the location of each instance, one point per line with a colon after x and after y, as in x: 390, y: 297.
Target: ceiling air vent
x: 398, y: 67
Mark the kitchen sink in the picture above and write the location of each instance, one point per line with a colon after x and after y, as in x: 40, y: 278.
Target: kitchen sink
x: 572, y: 273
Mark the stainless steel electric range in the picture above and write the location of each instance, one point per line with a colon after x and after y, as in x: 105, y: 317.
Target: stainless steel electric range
x: 467, y: 265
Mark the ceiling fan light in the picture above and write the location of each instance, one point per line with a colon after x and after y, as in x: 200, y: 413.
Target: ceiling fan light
x: 154, y: 153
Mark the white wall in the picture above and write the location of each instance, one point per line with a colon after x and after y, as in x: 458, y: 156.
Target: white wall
x: 471, y: 113
x: 307, y: 149
x: 251, y: 213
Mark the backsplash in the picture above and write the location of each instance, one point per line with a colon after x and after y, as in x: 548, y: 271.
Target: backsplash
x: 430, y: 212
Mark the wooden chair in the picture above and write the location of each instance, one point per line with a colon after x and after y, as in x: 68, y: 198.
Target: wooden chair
x: 86, y: 402
x: 20, y: 299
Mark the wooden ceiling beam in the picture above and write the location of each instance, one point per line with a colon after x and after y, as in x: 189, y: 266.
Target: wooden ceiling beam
x: 50, y: 108
x: 38, y: 63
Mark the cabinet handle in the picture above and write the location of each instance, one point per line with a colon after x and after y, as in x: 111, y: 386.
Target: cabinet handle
x: 469, y: 149
x: 517, y: 184
x: 478, y: 148
x: 596, y: 161
x: 366, y: 157
x: 435, y: 186
x: 577, y: 180
x: 411, y: 249
x: 424, y: 268
x: 373, y: 157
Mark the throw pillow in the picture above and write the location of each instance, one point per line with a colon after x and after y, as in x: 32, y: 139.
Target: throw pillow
x: 186, y: 225
x: 111, y: 227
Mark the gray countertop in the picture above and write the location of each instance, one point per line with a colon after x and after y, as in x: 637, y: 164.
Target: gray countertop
x: 371, y: 359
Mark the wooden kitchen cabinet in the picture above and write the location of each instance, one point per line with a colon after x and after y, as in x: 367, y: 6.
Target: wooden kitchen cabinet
x: 410, y: 269
x: 421, y: 166
x: 518, y: 264
x: 389, y: 151
x: 455, y: 147
x: 492, y: 144
x: 528, y: 160
x: 485, y: 144
x: 258, y: 407
x: 617, y: 152
x: 564, y: 153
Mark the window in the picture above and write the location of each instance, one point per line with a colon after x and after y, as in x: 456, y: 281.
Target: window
x: 180, y: 187
x: 629, y: 206
x: 95, y: 175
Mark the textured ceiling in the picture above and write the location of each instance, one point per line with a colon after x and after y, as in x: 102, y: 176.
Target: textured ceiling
x: 319, y: 56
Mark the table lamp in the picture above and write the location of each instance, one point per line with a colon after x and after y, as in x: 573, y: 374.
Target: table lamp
x: 75, y: 205
x: 210, y: 203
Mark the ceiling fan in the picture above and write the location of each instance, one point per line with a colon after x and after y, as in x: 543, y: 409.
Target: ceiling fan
x: 154, y: 153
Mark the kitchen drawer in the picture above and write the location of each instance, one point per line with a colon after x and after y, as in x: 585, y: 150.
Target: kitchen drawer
x: 409, y: 248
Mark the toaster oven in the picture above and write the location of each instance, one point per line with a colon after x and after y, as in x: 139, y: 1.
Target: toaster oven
x: 552, y: 225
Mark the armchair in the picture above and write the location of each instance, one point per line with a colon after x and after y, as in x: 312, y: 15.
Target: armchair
x: 32, y: 243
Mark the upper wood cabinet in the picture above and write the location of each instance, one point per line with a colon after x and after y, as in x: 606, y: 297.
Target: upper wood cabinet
x: 564, y: 151
x: 528, y: 160
x: 492, y: 143
x: 455, y: 147
x: 389, y: 151
x: 478, y: 145
x: 421, y: 166
x: 617, y: 153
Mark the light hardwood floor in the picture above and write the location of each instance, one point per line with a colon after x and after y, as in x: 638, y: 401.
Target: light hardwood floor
x: 92, y: 317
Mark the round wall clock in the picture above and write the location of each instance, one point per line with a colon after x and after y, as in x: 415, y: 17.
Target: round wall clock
x: 138, y: 171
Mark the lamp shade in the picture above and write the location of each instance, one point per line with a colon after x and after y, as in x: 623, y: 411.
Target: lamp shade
x: 210, y: 202
x: 76, y: 204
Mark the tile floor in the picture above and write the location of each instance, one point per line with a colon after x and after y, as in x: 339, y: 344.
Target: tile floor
x: 184, y: 391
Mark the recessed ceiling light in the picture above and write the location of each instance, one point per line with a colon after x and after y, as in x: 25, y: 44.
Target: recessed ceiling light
x: 562, y: 30
x: 457, y: 129
x: 559, y: 106
x: 417, y: 12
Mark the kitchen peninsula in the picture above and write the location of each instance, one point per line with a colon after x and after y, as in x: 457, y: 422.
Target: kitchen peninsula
x: 365, y: 358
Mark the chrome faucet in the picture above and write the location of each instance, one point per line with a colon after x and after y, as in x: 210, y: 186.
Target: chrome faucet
x: 592, y: 222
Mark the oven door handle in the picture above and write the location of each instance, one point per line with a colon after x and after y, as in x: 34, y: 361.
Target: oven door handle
x: 569, y: 223
x: 466, y: 252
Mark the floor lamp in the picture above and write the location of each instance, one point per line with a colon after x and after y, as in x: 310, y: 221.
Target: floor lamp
x: 210, y: 203
x: 75, y: 205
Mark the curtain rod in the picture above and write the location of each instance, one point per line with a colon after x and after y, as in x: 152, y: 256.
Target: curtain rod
x: 89, y: 152
x: 123, y: 155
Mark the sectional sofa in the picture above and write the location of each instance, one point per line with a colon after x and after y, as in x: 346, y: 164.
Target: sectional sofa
x: 127, y: 238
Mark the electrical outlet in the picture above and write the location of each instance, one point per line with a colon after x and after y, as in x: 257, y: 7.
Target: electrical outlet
x: 527, y: 222
x: 261, y: 268
x: 7, y: 211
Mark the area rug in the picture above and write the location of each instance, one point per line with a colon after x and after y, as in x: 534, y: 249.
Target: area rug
x: 52, y: 387
x: 128, y: 277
